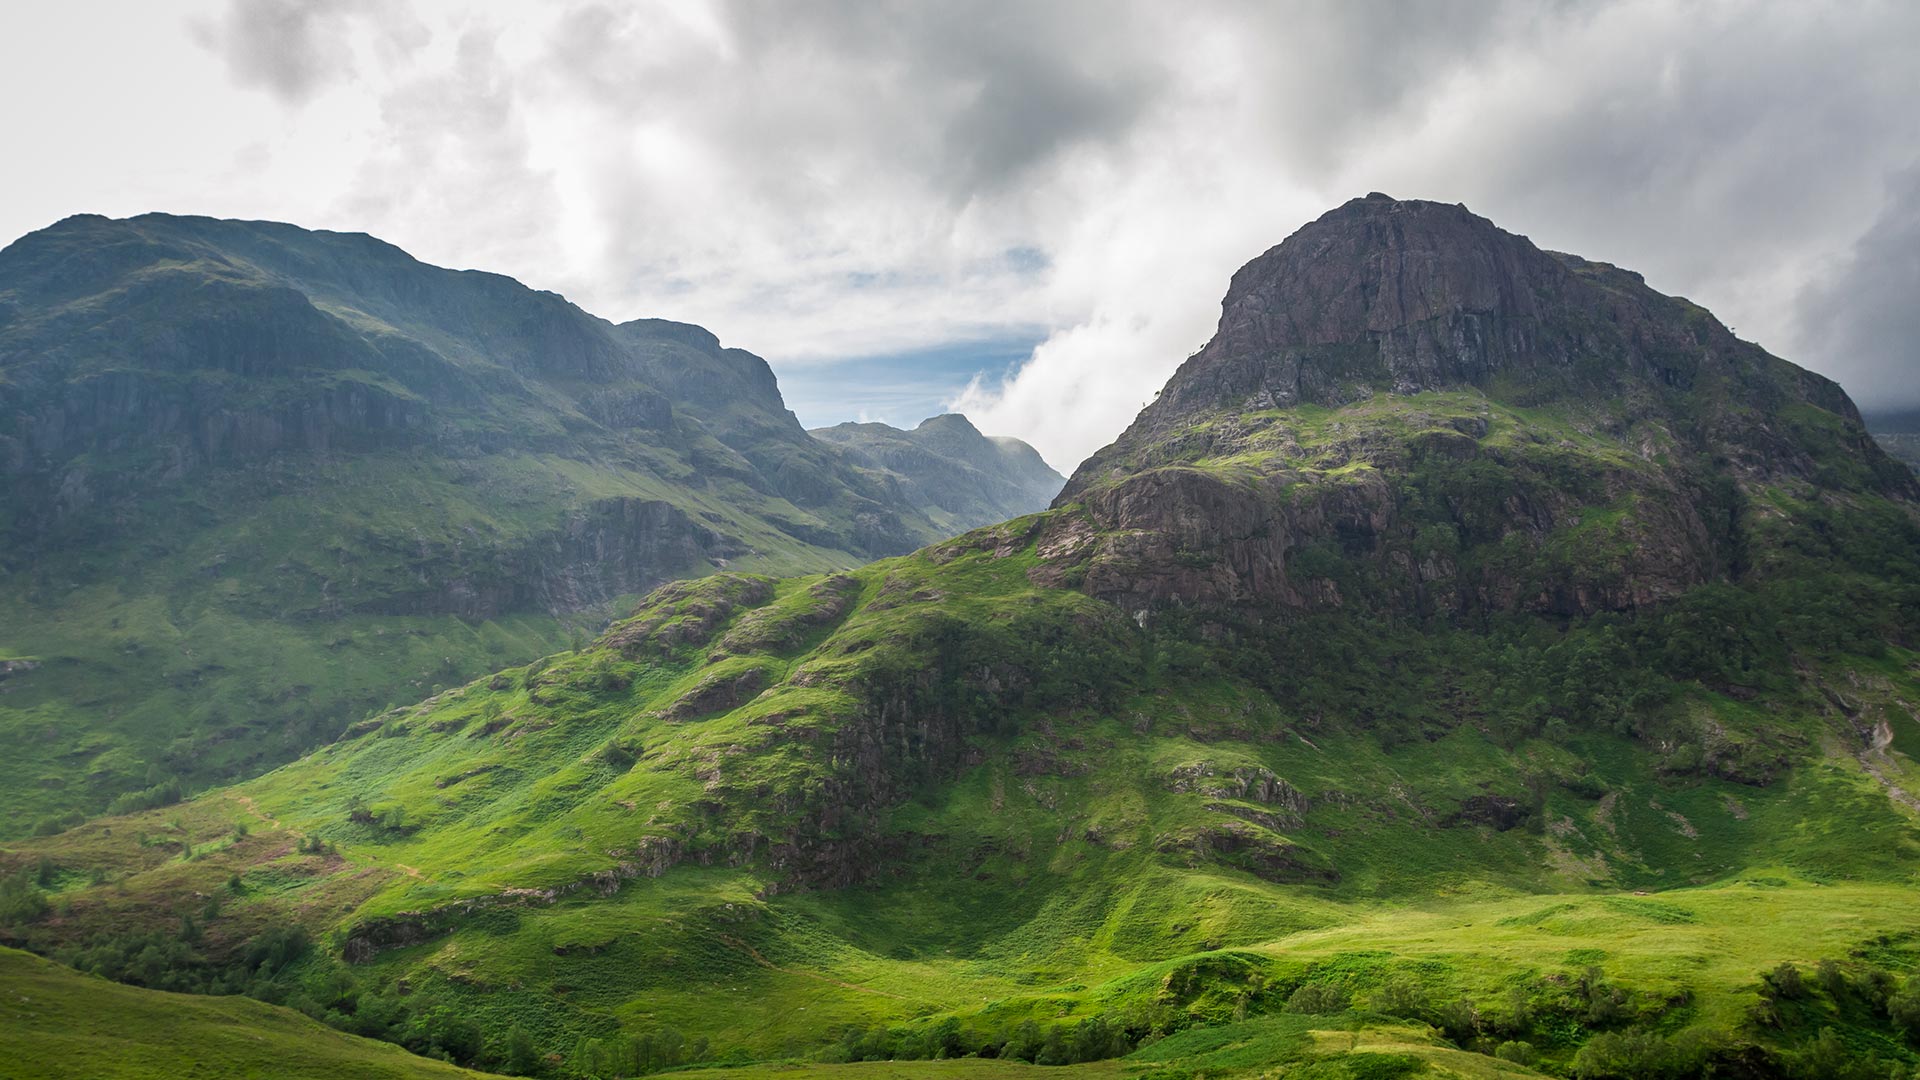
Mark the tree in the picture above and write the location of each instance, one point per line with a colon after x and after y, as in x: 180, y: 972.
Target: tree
x: 1402, y: 997
x: 1903, y: 1007
x: 1518, y: 1052
x: 947, y: 1041
x: 521, y: 1057
x: 1785, y: 981
x: 1318, y: 999
x: 1024, y: 1043
x: 1054, y: 1049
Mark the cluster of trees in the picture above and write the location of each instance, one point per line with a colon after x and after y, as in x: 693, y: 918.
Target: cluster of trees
x: 652, y: 1052
x: 424, y: 1023
x: 21, y: 898
x: 177, y: 961
x: 1093, y: 1039
x: 165, y: 793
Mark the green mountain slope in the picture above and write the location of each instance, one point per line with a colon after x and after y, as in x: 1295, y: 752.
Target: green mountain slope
x: 1513, y: 669
x: 259, y: 480
x: 948, y: 470
x: 62, y: 1025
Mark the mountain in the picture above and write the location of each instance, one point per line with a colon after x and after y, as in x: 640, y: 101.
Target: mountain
x: 260, y: 480
x: 949, y: 471
x: 1575, y: 441
x: 1474, y: 663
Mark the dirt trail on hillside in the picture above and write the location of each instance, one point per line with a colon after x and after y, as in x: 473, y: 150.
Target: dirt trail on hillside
x: 273, y: 822
x: 247, y: 801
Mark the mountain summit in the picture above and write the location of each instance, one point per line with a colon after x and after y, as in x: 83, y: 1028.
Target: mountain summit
x: 1397, y: 366
x: 1384, y: 296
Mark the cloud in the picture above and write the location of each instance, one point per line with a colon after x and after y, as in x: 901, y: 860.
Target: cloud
x: 841, y: 186
x: 1722, y: 149
x: 1860, y: 323
x: 291, y: 48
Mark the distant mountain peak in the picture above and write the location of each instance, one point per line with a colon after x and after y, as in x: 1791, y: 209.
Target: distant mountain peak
x: 947, y: 422
x: 945, y: 466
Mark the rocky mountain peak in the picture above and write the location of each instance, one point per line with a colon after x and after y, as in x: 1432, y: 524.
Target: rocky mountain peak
x: 1492, y: 425
x: 1379, y: 293
x: 1402, y: 297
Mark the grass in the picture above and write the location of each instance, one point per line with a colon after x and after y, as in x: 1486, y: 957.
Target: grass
x: 56, y: 1024
x: 1075, y: 864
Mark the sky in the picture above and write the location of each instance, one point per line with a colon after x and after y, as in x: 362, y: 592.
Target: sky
x: 1027, y: 211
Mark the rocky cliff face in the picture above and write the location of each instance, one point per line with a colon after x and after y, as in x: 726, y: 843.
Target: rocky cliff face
x: 1490, y: 426
x: 950, y: 471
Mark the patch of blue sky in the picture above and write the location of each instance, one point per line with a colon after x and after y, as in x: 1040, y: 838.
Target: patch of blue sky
x: 900, y: 388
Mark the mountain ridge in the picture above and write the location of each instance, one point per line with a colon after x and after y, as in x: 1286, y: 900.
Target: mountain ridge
x: 261, y: 480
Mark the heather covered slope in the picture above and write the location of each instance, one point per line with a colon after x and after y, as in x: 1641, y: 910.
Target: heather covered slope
x: 259, y: 480
x: 1443, y: 725
x: 951, y: 472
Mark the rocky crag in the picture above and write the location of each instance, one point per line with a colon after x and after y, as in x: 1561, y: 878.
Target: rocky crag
x: 1489, y: 425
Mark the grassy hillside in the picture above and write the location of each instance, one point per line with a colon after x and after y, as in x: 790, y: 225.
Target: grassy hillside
x: 64, y: 1025
x: 59, y: 1025
x: 826, y: 816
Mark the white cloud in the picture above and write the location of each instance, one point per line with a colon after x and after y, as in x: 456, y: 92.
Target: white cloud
x: 816, y: 180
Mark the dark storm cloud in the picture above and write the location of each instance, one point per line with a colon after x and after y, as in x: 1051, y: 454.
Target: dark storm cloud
x: 1861, y: 325
x: 290, y: 48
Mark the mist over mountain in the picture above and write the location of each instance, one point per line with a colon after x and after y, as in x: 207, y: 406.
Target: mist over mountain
x: 1898, y: 433
x: 1472, y: 663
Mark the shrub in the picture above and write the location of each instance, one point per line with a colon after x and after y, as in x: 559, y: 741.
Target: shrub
x: 21, y: 900
x: 1903, y: 1007
x: 165, y: 793
x: 1518, y: 1052
x: 1319, y: 999
x: 1403, y: 996
x: 1784, y: 982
